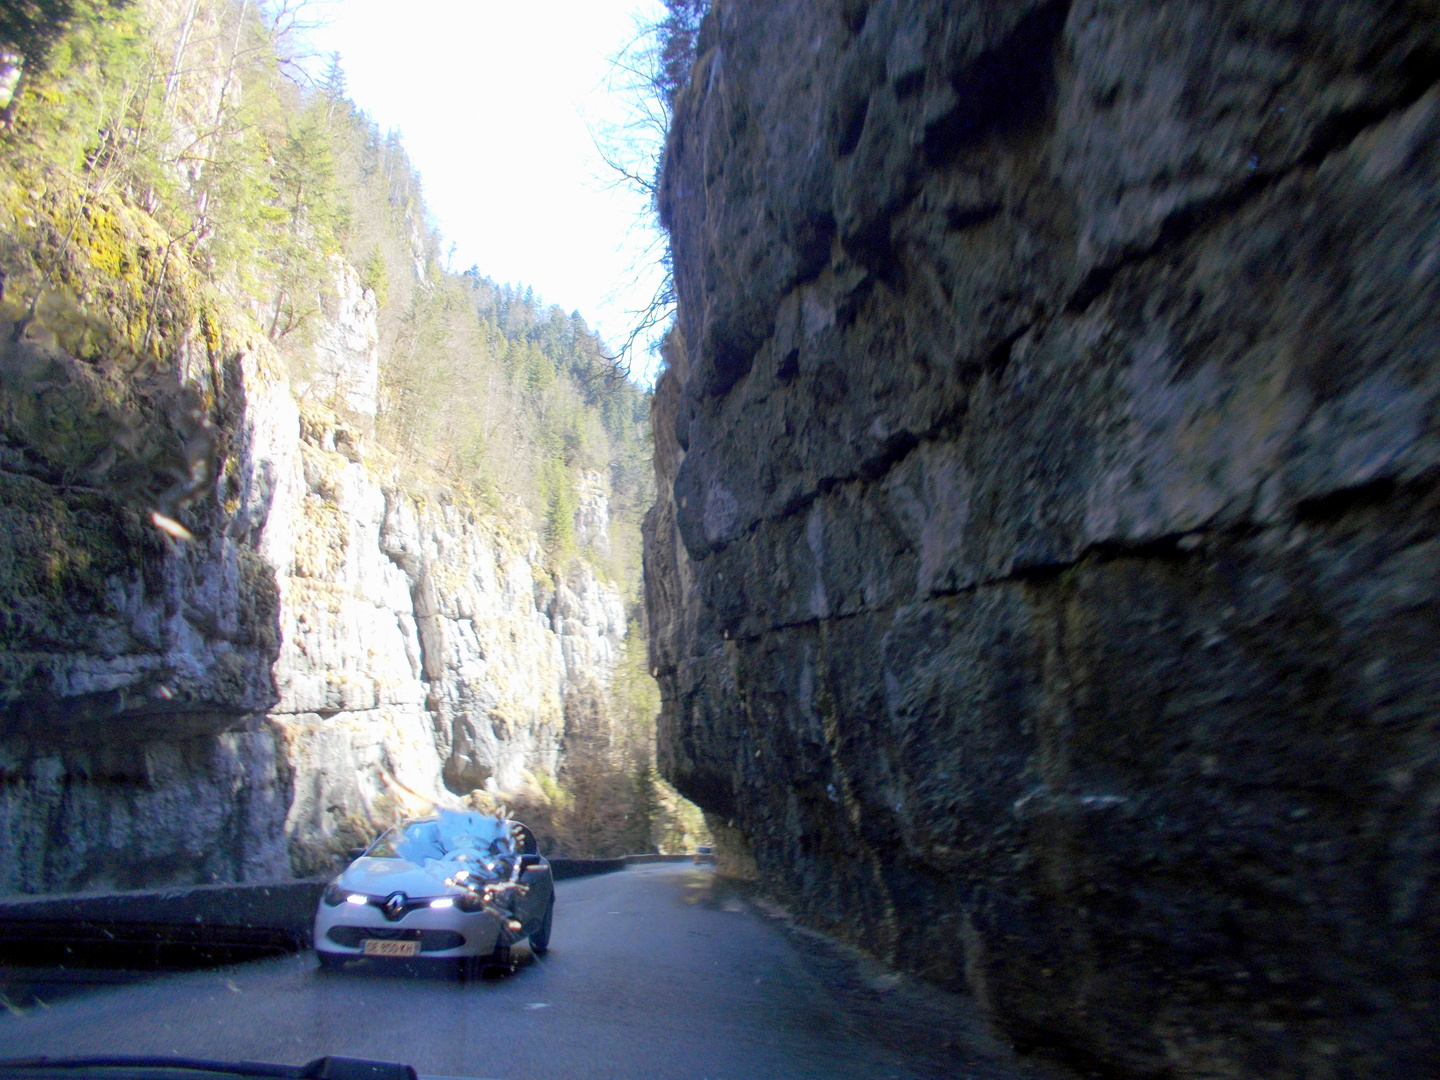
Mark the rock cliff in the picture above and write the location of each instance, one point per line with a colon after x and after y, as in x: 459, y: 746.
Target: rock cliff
x: 1043, y: 576
x: 310, y: 648
x: 424, y: 650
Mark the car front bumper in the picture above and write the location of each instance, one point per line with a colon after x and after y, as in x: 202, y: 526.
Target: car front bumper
x: 480, y: 932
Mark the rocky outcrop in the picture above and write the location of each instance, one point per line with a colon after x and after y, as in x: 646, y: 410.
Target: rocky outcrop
x: 1044, y: 567
x: 345, y: 365
x: 136, y: 663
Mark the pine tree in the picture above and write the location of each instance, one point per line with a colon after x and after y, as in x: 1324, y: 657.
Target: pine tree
x: 334, y: 87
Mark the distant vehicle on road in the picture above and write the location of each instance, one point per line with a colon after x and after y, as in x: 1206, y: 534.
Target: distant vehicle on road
x: 704, y: 854
x: 458, y: 886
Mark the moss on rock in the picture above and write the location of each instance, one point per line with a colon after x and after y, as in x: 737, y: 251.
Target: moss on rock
x: 58, y: 556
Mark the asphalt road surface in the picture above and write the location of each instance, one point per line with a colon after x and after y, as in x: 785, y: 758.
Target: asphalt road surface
x: 655, y: 972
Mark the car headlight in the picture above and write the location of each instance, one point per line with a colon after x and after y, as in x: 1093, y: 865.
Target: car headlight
x: 335, y: 895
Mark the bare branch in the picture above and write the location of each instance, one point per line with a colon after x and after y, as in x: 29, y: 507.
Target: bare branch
x: 646, y: 74
x: 290, y: 23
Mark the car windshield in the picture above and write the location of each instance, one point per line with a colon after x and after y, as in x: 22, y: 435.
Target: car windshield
x: 449, y: 834
x: 386, y: 846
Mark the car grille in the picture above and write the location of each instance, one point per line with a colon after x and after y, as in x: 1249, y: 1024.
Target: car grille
x: 430, y: 940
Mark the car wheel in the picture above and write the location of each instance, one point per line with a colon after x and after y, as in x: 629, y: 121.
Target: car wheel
x: 540, y: 939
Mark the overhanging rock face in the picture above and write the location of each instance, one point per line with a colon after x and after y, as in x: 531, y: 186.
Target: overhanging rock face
x: 1044, y: 569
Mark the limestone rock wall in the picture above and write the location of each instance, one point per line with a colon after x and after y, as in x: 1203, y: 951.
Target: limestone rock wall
x: 345, y: 365
x: 136, y: 667
x: 1044, y: 571
x: 325, y: 650
x: 424, y: 650
x: 424, y: 654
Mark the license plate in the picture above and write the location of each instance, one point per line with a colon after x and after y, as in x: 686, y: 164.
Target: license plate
x: 376, y: 947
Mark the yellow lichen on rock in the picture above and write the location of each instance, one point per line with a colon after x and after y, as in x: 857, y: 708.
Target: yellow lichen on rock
x: 105, y: 278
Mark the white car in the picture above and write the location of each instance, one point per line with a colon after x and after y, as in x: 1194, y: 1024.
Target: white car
x: 457, y: 886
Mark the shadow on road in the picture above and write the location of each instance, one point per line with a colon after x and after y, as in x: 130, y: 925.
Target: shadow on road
x: 441, y: 969
x: 23, y: 987
x: 931, y: 1029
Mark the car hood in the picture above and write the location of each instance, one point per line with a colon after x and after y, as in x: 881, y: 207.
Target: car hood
x: 381, y: 877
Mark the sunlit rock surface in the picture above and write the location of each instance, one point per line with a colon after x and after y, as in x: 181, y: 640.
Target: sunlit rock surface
x: 1044, y: 573
x: 346, y: 364
x: 420, y: 656
x: 592, y: 515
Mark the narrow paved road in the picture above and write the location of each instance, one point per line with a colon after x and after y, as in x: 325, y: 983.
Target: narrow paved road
x: 652, y: 973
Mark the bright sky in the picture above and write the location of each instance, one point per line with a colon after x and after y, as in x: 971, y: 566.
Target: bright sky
x: 492, y: 100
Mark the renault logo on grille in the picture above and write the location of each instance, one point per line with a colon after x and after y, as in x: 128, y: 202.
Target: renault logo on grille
x: 394, y: 906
